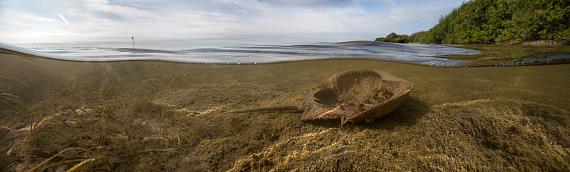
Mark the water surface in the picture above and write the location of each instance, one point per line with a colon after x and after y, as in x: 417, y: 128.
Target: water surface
x: 236, y: 53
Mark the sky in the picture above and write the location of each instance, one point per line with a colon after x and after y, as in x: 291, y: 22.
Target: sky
x: 69, y: 21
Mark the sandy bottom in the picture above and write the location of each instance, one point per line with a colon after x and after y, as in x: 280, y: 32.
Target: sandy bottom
x: 160, y: 116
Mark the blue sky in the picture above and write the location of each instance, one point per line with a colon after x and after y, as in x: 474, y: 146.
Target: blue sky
x: 68, y: 21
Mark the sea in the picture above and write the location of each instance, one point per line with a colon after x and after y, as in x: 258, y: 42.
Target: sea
x: 248, y: 53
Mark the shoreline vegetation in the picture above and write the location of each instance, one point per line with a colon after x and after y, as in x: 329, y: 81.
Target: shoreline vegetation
x: 503, y: 22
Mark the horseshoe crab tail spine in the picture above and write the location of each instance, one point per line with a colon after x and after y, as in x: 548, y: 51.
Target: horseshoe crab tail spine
x: 296, y: 109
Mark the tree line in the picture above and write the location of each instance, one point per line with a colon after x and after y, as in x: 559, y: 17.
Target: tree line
x: 491, y: 21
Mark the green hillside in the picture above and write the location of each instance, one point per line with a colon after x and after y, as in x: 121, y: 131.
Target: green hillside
x: 491, y: 21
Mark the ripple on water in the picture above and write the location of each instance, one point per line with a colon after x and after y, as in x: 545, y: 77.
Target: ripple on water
x: 422, y: 54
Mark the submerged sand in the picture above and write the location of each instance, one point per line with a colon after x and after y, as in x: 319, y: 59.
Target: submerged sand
x: 161, y: 116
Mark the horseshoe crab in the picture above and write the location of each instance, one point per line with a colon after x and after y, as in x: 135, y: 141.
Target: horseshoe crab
x: 351, y: 96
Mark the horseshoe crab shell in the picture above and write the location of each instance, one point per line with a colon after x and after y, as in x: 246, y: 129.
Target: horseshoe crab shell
x: 356, y: 95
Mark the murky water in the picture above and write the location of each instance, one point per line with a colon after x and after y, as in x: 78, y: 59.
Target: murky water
x: 157, y: 116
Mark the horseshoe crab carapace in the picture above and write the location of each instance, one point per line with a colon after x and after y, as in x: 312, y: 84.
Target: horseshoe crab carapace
x: 351, y: 96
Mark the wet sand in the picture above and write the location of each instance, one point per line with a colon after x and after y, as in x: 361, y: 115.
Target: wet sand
x: 163, y: 116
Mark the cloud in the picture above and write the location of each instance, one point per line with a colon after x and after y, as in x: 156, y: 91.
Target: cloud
x: 396, y: 18
x: 267, y: 20
x: 106, y: 7
x: 63, y: 19
x: 309, y: 3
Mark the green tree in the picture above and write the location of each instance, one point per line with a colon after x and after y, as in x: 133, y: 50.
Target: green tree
x: 489, y: 21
